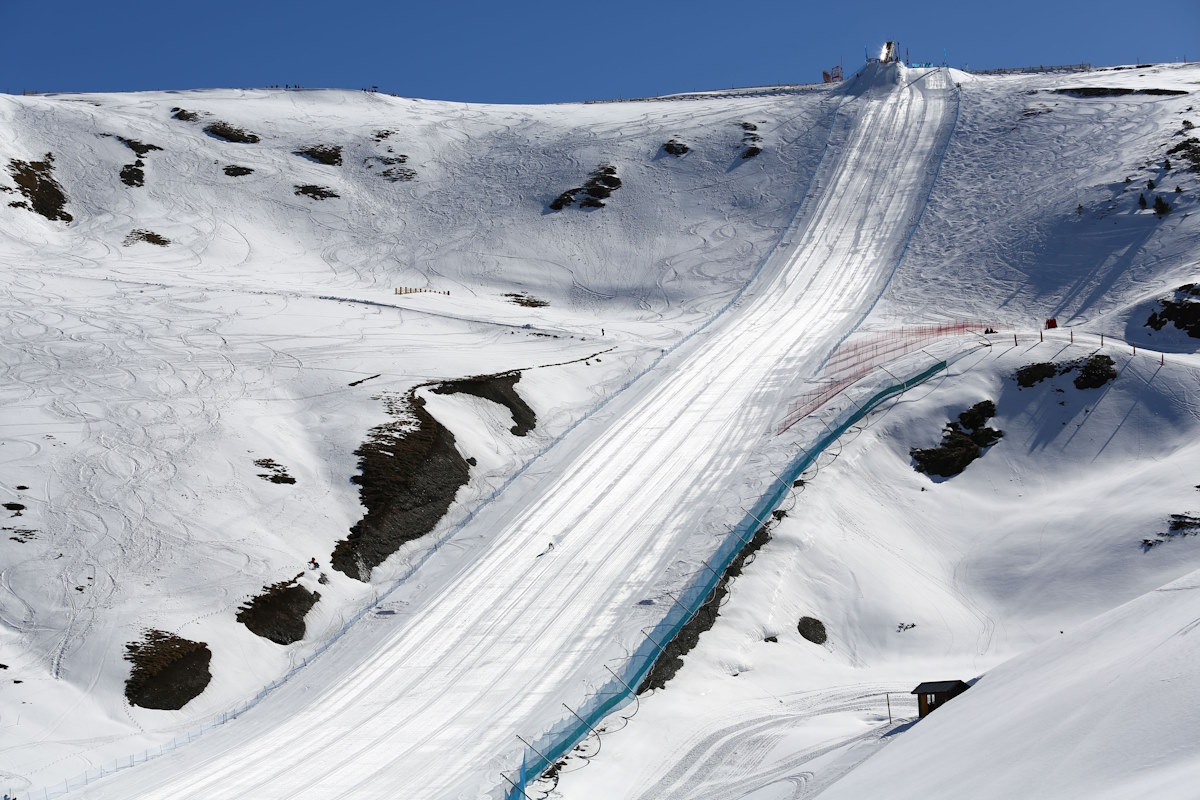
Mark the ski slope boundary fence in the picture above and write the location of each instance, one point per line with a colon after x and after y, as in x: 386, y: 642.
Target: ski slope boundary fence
x: 558, y: 741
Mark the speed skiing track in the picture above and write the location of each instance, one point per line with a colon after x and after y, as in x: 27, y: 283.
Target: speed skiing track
x: 428, y: 703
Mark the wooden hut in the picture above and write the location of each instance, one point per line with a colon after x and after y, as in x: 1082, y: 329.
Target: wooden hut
x: 932, y: 694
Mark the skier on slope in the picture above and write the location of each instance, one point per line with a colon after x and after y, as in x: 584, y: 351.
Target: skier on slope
x: 549, y: 547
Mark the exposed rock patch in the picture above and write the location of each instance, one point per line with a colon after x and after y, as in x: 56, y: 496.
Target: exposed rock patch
x: 278, y: 612
x: 316, y: 192
x: 812, y: 629
x: 1032, y: 374
x: 751, y: 141
x: 230, y: 133
x: 1188, y: 150
x: 676, y: 148
x: 35, y: 180
x: 327, y: 154
x: 132, y: 174
x: 168, y: 671
x: 1182, y: 309
x: 393, y: 168
x: 21, y: 535
x: 143, y: 235
x: 275, y: 472
x: 526, y: 300
x: 499, y: 389
x: 600, y: 185
x: 1094, y: 371
x: 140, y: 148
x: 962, y: 442
x: 410, y: 472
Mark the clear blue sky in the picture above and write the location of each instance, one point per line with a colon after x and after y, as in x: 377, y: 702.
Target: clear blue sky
x: 552, y: 51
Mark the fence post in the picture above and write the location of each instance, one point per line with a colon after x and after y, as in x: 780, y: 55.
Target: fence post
x: 681, y: 605
x: 1102, y: 340
x: 653, y: 641
x: 1014, y: 340
x: 589, y: 727
x: 510, y: 783
x: 629, y: 688
x: 549, y: 763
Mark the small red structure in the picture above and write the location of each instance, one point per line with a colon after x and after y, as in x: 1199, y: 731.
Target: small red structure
x: 1052, y: 323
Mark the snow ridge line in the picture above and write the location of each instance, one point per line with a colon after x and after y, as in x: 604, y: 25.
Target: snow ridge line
x: 559, y: 741
x: 225, y: 717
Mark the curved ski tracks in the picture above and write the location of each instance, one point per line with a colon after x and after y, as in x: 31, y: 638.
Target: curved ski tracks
x: 427, y: 705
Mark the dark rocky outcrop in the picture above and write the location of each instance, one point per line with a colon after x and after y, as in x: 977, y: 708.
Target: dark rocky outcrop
x: 168, y: 671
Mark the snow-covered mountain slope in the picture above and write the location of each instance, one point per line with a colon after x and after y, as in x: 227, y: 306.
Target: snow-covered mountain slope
x: 143, y: 382
x: 1105, y: 711
x: 917, y: 579
x: 513, y: 632
x: 163, y: 373
x: 1033, y: 214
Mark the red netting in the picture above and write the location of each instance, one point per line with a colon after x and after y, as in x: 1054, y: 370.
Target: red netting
x: 854, y: 359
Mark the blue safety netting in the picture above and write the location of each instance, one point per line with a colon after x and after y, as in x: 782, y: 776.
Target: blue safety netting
x: 557, y: 742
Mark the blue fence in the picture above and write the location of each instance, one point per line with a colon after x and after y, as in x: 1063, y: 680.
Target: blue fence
x: 560, y: 738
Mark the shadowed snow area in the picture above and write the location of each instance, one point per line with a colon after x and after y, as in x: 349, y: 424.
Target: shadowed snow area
x: 672, y: 327
x: 1103, y: 712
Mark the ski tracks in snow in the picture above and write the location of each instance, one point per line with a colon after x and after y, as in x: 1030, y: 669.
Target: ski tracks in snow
x: 430, y: 705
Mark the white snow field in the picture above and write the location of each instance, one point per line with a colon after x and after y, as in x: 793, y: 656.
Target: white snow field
x: 1046, y: 527
x: 143, y: 382
x: 1104, y: 712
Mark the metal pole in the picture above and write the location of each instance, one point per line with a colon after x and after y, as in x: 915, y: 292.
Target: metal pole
x: 626, y: 685
x: 713, y: 592
x: 686, y: 610
x: 889, y: 702
x: 735, y: 533
x: 781, y: 481
x: 756, y: 519
x: 549, y: 763
x: 653, y: 641
x: 510, y: 783
x: 589, y: 727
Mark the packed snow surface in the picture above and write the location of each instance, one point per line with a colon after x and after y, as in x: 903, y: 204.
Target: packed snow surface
x: 144, y: 382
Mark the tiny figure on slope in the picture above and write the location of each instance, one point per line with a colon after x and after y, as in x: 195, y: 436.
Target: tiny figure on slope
x: 312, y: 563
x: 549, y: 547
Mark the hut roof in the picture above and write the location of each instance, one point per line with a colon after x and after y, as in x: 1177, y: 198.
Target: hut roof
x: 937, y: 687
